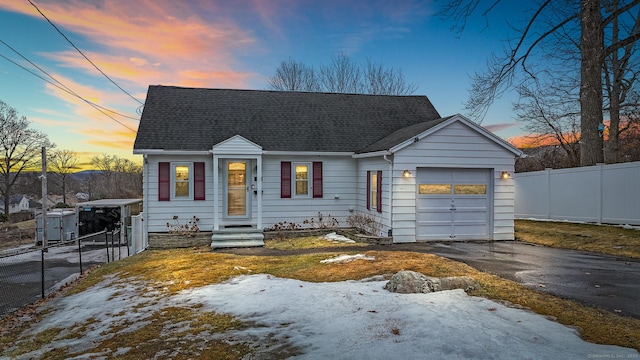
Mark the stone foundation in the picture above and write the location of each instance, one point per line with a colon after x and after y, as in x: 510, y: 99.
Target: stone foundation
x: 172, y: 241
x: 348, y: 232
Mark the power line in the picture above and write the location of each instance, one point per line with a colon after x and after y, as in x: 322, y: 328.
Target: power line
x: 81, y: 53
x: 95, y: 106
x: 66, y: 88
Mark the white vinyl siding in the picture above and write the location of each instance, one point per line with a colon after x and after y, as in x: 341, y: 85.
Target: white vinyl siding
x: 373, y: 165
x: 159, y: 213
x: 339, y: 192
x: 455, y: 146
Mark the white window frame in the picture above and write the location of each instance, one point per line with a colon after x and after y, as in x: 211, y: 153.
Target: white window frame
x: 294, y: 181
x: 373, y: 190
x: 174, y: 180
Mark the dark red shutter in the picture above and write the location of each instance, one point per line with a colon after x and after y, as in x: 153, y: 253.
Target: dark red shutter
x: 198, y: 181
x: 164, y: 181
x: 317, y: 179
x: 379, y: 192
x: 368, y: 196
x: 285, y: 179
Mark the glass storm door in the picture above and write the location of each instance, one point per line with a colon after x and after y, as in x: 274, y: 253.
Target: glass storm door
x: 237, y: 188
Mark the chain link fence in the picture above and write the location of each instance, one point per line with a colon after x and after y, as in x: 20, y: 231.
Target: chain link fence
x: 27, y: 275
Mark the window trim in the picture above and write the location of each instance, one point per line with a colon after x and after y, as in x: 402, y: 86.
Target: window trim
x: 315, y: 179
x: 173, y: 180
x: 294, y: 180
x: 377, y: 202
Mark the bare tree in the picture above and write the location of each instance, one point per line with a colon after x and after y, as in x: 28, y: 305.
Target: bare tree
x: 552, y: 120
x: 63, y: 163
x: 385, y: 81
x: 20, y: 149
x: 548, y: 19
x: 341, y: 75
x: 621, y: 70
x: 294, y: 76
x: 120, y: 177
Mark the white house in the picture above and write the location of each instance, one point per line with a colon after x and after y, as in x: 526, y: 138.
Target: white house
x: 244, y: 160
x: 17, y: 203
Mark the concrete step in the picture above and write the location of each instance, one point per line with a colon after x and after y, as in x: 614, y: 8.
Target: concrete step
x: 236, y: 237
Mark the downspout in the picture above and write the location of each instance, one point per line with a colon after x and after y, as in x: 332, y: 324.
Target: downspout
x: 145, y: 202
x: 390, y: 231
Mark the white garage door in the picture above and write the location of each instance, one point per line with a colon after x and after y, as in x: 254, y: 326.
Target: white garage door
x: 452, y: 204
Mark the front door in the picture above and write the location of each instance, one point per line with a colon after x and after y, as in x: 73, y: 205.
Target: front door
x: 237, y: 189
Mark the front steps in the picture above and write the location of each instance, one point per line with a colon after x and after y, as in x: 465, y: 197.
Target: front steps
x: 237, y: 237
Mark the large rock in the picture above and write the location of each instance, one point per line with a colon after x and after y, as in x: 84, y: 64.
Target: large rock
x: 411, y: 282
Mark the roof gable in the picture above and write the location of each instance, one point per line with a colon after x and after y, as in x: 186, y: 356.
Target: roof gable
x: 236, y: 145
x: 195, y: 119
x: 437, y: 125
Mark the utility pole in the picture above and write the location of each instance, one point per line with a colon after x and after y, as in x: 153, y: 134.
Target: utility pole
x: 43, y: 177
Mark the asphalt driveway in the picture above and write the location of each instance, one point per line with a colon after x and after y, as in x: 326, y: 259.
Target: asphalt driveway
x: 604, y: 281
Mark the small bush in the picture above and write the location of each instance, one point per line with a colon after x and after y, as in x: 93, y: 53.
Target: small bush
x: 364, y: 223
x: 189, y: 229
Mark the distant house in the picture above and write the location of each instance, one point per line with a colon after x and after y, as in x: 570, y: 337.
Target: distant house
x: 17, y: 203
x: 245, y: 160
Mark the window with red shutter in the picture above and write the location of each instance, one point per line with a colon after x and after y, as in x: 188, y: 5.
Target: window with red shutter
x: 368, y: 195
x: 164, y: 181
x: 317, y: 179
x: 285, y: 179
x: 198, y: 181
x: 379, y: 192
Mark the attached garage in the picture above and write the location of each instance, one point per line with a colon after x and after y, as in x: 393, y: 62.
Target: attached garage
x: 447, y: 183
x: 453, y: 204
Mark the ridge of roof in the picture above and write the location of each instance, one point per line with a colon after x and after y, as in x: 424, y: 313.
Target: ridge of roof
x: 179, y: 118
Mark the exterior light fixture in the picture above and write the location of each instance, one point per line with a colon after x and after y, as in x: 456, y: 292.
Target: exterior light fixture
x: 505, y: 175
x: 406, y: 173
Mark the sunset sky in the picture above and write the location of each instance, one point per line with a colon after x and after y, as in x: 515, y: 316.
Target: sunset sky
x: 223, y: 44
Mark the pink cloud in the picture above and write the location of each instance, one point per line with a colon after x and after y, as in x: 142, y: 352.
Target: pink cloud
x: 149, y: 41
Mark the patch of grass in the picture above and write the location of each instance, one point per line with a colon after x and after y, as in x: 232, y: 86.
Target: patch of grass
x: 35, y: 342
x: 174, y: 333
x: 190, y: 332
x: 309, y: 242
x: 612, y: 240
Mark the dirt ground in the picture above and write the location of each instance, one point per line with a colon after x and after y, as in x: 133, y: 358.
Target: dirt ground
x: 12, y: 235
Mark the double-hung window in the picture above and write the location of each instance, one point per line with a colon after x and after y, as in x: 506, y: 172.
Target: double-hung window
x: 301, y: 179
x: 374, y: 190
x: 182, y: 180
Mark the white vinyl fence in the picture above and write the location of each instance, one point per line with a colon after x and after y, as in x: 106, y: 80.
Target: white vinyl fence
x: 139, y: 240
x: 608, y: 194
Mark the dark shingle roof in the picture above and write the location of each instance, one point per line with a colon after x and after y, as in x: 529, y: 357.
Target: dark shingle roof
x: 177, y: 118
x: 402, y: 135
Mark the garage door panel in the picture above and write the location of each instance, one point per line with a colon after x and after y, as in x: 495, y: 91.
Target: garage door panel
x: 463, y: 213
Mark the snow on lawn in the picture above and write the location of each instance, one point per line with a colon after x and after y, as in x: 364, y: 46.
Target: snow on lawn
x: 338, y: 238
x: 342, y: 320
x: 347, y: 258
x: 361, y: 320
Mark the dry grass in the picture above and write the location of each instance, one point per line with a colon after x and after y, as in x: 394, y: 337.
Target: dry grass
x: 17, y: 234
x: 612, y: 240
x: 309, y: 242
x: 175, y: 271
x: 171, y: 271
